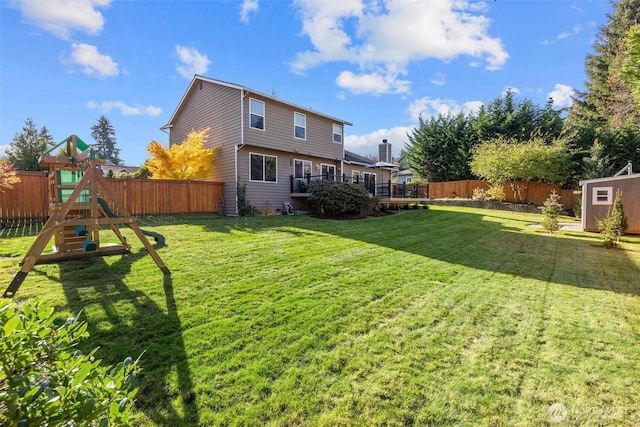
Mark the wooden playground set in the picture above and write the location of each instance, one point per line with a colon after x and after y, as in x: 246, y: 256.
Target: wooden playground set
x: 79, y: 212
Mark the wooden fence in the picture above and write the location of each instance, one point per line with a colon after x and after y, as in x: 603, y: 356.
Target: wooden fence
x: 28, y: 199
x: 536, y: 192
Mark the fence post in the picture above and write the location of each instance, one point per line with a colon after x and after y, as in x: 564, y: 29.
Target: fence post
x: 189, y: 196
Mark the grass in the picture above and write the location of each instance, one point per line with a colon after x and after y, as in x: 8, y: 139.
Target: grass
x: 446, y: 316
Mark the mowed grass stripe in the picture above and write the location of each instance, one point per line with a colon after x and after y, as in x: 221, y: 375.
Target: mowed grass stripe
x: 444, y: 316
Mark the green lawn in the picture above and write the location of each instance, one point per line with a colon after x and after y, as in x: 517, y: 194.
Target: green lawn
x: 445, y: 316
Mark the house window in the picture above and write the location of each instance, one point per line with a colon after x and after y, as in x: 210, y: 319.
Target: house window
x: 369, y: 181
x: 300, y: 125
x: 337, y: 133
x: 368, y: 176
x: 602, y: 195
x: 263, y: 168
x: 355, y: 176
x: 329, y: 172
x: 256, y: 113
x: 302, y: 168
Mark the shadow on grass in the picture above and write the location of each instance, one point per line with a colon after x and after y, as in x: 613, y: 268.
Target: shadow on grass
x: 485, y: 241
x: 128, y: 322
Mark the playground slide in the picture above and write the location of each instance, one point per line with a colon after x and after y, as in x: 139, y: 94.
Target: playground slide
x: 157, y: 237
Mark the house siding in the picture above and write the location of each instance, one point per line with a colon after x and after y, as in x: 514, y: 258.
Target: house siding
x: 630, y: 188
x: 360, y: 169
x: 218, y: 108
x: 225, y: 109
x: 278, y: 133
x: 273, y: 194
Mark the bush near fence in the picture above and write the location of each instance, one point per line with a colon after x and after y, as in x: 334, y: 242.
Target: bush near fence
x: 29, y: 199
x: 536, y: 193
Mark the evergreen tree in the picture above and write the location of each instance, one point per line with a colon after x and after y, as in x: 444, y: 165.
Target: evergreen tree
x: 598, y: 164
x: 631, y: 65
x: 551, y: 212
x: 27, y: 147
x: 615, y: 224
x: 105, y: 136
x: 518, y: 120
x: 440, y: 148
x: 608, y: 100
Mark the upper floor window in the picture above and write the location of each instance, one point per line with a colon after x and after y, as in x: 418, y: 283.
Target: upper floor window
x: 337, y: 133
x: 300, y: 125
x: 256, y: 112
x: 263, y: 168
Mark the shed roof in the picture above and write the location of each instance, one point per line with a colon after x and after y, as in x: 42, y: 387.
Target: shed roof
x: 610, y: 178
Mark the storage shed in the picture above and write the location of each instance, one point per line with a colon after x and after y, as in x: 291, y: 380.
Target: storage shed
x: 598, y: 196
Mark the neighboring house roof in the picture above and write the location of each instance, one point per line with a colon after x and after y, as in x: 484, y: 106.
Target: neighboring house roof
x: 404, y: 172
x: 198, y: 78
x: 351, y: 157
x: 118, y: 168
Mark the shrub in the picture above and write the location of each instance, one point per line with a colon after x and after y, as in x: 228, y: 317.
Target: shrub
x: 551, y: 211
x: 496, y: 192
x: 332, y: 198
x: 44, y: 380
x: 480, y: 194
x: 245, y: 208
x: 267, y: 211
x: 614, y: 225
x: 577, y: 209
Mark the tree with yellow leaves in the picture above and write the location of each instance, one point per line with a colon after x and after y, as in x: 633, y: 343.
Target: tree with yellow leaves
x: 186, y: 160
x: 8, y: 175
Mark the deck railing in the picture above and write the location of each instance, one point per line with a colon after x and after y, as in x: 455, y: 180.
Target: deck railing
x: 384, y: 190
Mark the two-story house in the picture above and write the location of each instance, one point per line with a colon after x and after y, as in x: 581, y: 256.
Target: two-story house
x: 265, y: 144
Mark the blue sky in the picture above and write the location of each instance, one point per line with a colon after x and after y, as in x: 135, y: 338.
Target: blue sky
x: 379, y: 64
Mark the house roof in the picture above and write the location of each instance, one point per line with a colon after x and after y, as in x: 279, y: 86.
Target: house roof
x: 118, y: 168
x: 610, y: 178
x: 351, y: 157
x: 197, y: 78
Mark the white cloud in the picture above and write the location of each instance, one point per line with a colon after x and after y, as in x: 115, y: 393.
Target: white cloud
x: 391, y: 34
x: 61, y: 17
x: 373, y: 83
x: 248, y: 7
x: 427, y: 107
x: 561, y: 95
x: 575, y: 30
x: 191, y: 62
x: 506, y: 89
x: 4, y: 149
x: 368, y: 144
x: 439, y: 79
x: 92, y: 62
x: 126, y: 110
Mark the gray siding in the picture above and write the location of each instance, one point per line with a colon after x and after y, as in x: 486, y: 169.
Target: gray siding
x: 278, y: 133
x: 218, y: 108
x: 361, y: 169
x: 274, y: 194
x: 224, y: 108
